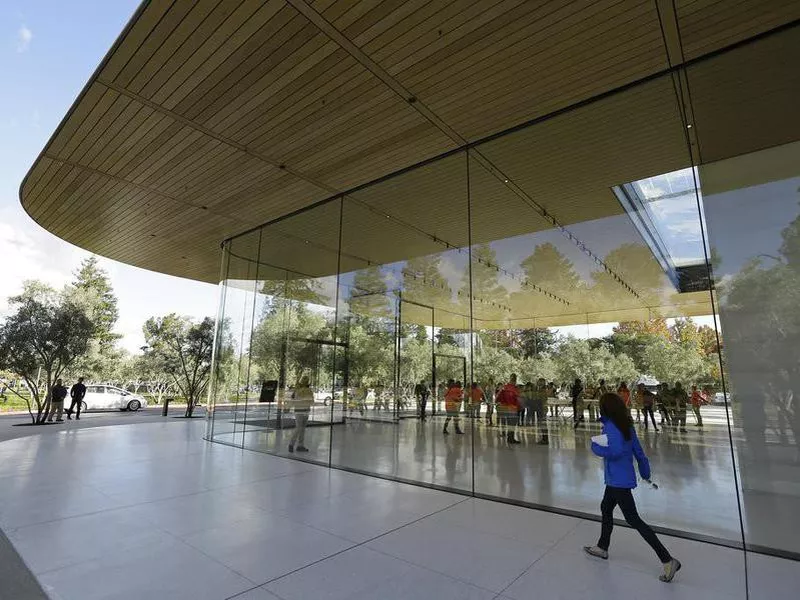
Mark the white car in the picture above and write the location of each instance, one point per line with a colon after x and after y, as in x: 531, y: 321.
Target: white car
x: 109, y: 396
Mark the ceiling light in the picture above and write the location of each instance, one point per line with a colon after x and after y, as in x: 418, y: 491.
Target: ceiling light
x: 689, y: 126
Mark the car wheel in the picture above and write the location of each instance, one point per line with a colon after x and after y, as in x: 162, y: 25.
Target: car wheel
x: 84, y: 407
x: 134, y: 405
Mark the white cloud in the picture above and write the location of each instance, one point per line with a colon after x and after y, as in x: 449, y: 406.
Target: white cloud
x: 24, y: 37
x: 26, y: 259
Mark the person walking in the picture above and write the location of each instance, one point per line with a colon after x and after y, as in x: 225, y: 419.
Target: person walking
x: 697, y: 399
x: 577, y: 402
x: 77, y: 393
x: 302, y: 401
x: 621, y: 447
x: 57, y: 394
x: 452, y: 405
x: 508, y: 403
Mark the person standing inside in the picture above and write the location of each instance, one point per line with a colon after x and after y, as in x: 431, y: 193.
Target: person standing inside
x: 679, y: 401
x: 621, y: 447
x: 664, y: 402
x: 421, y: 391
x: 476, y: 399
x: 697, y: 399
x: 577, y: 402
x: 57, y: 394
x: 302, y: 401
x: 625, y: 394
x: 452, y: 405
x: 647, y: 402
x: 77, y: 393
x: 540, y: 395
x: 508, y: 403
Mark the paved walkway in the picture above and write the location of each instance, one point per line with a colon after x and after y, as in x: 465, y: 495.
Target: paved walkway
x: 153, y: 511
x: 17, y: 425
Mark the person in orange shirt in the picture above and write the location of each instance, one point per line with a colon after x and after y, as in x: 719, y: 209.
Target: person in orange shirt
x: 508, y: 403
x: 697, y: 399
x: 476, y: 399
x: 624, y: 393
x: 452, y: 405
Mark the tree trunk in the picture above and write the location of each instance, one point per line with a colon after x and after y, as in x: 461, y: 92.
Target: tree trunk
x: 189, y: 408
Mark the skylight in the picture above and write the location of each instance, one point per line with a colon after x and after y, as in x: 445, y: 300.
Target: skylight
x: 664, y: 209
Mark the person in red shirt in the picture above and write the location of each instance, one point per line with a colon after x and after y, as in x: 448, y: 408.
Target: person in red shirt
x: 508, y: 404
x: 452, y: 405
x: 697, y: 399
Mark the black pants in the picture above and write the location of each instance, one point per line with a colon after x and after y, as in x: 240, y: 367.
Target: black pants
x: 72, y: 406
x: 648, y: 410
x: 623, y: 498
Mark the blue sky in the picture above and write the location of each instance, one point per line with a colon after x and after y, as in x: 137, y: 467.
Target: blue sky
x: 48, y: 50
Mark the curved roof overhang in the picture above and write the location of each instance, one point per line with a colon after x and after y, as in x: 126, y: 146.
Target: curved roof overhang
x: 208, y: 118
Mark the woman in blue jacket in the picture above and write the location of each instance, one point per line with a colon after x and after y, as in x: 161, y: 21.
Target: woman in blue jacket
x: 623, y: 445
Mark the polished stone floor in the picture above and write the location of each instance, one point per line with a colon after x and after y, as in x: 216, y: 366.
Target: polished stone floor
x: 153, y: 511
x: 693, y: 470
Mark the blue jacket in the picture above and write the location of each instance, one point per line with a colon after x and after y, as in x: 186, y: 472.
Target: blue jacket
x: 618, y: 457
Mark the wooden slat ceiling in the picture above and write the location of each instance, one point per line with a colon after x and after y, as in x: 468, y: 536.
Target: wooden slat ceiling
x: 209, y: 117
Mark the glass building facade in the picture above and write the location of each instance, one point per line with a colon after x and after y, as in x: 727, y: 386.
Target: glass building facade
x: 649, y: 235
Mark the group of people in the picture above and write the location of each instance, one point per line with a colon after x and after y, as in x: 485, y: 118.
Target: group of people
x: 670, y: 402
x: 58, y: 393
x: 516, y: 405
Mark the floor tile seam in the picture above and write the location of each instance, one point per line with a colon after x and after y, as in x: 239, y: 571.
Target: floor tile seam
x: 105, y: 510
x: 545, y: 553
x: 355, y: 545
x: 258, y: 587
x: 211, y: 558
x: 431, y: 570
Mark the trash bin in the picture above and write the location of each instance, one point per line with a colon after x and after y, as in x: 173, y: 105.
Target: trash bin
x: 165, y: 408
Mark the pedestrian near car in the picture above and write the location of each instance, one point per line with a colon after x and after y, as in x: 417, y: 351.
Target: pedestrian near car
x: 302, y: 401
x: 57, y: 394
x: 618, y: 452
x: 77, y: 394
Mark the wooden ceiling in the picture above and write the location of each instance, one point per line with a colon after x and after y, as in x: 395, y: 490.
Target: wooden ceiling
x: 207, y: 118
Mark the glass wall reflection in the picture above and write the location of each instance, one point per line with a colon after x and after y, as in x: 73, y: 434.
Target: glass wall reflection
x: 569, y: 258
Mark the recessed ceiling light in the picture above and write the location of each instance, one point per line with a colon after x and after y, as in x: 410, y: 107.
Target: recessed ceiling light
x: 505, y: 180
x: 689, y: 126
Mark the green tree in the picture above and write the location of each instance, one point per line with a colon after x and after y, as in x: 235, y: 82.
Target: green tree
x: 91, y: 288
x: 183, y: 348
x: 369, y: 296
x: 42, y: 337
x: 424, y: 283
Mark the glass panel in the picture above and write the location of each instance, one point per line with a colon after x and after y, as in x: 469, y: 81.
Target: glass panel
x: 296, y: 356
x: 403, y: 293
x: 748, y: 130
x: 232, y: 376
x: 567, y: 286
